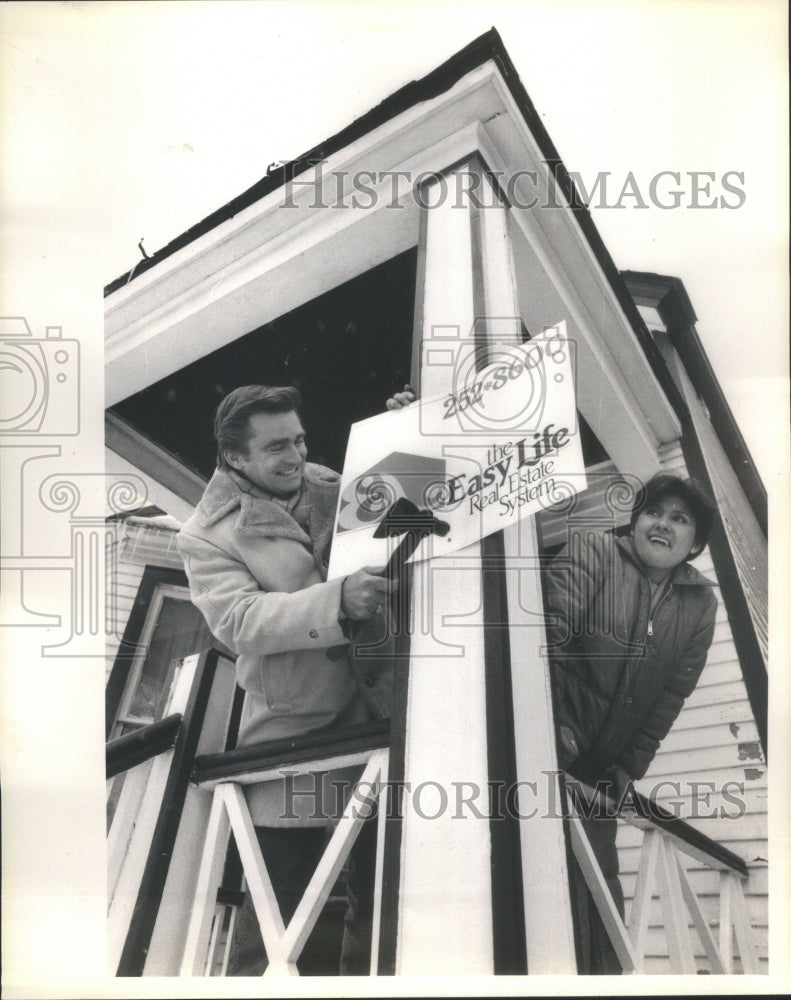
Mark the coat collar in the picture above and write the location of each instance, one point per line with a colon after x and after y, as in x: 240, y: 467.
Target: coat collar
x: 683, y: 574
x: 258, y: 515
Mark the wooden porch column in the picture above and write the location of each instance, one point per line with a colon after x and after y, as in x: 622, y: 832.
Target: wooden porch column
x: 477, y: 895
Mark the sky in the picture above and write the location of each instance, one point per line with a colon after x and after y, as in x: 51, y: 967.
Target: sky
x: 124, y: 121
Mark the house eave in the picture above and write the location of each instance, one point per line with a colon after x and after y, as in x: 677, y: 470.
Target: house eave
x: 256, y: 259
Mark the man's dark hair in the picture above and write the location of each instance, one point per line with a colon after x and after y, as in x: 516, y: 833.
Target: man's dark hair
x: 701, y: 506
x: 232, y: 419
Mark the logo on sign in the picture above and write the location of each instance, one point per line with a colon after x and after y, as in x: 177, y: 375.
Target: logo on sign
x: 419, y: 478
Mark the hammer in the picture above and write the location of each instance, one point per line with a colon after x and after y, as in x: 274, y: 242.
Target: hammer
x: 402, y: 518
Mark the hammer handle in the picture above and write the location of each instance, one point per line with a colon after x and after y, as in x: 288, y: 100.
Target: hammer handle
x: 395, y: 564
x: 404, y: 551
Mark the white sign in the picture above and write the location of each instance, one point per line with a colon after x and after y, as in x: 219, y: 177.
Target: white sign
x: 500, y: 446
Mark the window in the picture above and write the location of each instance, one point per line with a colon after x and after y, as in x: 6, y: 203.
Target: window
x: 173, y: 629
x: 163, y: 629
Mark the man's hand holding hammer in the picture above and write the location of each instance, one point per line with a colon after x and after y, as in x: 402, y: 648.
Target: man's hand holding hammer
x: 365, y: 593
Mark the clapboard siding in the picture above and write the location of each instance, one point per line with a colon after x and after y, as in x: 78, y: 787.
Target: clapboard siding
x: 720, y: 671
x: 705, y: 880
x: 721, y: 651
x: 656, y: 932
x: 750, y: 849
x: 659, y: 966
x: 708, y: 758
x: 717, y: 693
x: 709, y: 904
x: 746, y: 830
x: 739, y: 798
x: 718, y: 734
x: 731, y: 782
x: 738, y: 712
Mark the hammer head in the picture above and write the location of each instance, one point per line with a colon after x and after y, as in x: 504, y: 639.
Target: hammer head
x: 404, y: 516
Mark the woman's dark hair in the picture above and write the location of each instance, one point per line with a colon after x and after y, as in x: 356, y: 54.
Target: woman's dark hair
x: 701, y: 506
x: 232, y: 419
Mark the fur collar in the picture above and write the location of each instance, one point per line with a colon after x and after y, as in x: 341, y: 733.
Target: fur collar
x: 259, y: 516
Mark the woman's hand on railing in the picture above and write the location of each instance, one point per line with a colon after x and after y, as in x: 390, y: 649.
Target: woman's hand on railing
x: 622, y: 785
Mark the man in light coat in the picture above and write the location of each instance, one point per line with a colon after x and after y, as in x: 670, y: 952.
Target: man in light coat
x: 256, y: 553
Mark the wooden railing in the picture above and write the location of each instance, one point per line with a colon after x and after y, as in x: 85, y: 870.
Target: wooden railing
x: 142, y: 761
x: 143, y: 744
x: 666, y: 840
x: 154, y: 763
x: 224, y: 775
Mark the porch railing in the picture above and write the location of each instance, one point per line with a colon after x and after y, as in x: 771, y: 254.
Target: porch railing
x: 135, y: 748
x: 143, y: 762
x: 154, y: 763
x: 662, y: 871
x: 666, y: 841
x: 224, y: 775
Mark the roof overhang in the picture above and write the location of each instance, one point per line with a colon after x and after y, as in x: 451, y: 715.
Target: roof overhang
x: 278, y: 245
x: 668, y: 296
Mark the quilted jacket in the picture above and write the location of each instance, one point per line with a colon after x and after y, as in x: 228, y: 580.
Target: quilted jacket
x: 620, y: 670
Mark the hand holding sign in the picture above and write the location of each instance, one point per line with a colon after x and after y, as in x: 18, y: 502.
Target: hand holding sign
x: 401, y: 399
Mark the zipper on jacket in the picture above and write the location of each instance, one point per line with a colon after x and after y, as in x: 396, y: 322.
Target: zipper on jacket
x: 655, y: 609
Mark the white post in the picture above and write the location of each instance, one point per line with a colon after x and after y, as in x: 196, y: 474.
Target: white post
x: 726, y: 922
x: 446, y: 893
x: 445, y: 906
x: 215, y: 848
x: 548, y: 927
x: 545, y: 880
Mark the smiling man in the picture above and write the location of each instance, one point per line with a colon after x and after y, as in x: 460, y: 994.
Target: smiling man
x: 256, y: 553
x: 630, y: 627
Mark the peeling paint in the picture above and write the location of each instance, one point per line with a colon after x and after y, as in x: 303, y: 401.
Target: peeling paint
x: 752, y: 773
x: 750, y: 751
x: 734, y: 728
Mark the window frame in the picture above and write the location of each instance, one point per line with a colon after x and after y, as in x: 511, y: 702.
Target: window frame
x: 132, y: 649
x: 161, y: 593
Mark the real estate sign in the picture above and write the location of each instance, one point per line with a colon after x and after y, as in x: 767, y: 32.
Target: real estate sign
x: 501, y: 445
